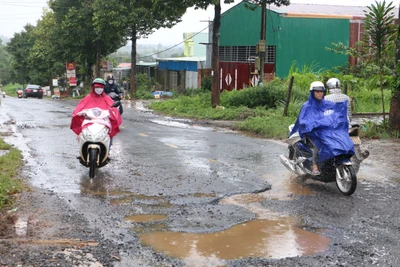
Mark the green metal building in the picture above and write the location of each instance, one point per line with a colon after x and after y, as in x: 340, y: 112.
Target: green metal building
x: 298, y: 34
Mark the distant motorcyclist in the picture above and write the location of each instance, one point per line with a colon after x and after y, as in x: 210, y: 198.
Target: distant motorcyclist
x: 112, y: 86
x: 336, y: 95
x: 114, y: 91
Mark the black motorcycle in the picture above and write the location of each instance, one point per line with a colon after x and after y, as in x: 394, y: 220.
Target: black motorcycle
x: 117, y: 101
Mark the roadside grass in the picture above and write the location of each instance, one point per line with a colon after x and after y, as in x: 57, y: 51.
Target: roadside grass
x: 10, y: 164
x: 11, y: 89
x: 259, y: 110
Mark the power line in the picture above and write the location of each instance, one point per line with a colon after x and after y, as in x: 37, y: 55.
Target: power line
x: 20, y: 5
x: 175, y: 44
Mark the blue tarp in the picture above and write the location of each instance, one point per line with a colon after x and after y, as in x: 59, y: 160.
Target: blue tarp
x: 178, y: 65
x: 326, y: 124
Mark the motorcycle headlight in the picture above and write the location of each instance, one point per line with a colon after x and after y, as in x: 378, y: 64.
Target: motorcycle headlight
x: 102, y: 134
x: 87, y: 135
x: 95, y: 134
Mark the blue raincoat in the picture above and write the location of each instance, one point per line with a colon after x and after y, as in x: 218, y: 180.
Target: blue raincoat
x: 326, y: 124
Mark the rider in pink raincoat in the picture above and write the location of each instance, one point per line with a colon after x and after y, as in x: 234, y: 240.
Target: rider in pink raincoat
x: 96, y: 99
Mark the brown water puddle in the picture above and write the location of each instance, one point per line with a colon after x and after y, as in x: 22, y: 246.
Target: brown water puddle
x: 278, y: 238
x: 152, y: 227
x: 284, y: 187
x: 146, y: 218
x: 159, y: 201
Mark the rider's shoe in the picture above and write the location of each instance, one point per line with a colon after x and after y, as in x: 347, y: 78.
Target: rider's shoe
x: 316, y: 172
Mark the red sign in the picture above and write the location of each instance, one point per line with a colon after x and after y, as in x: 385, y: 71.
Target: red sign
x: 71, y: 66
x: 72, y: 81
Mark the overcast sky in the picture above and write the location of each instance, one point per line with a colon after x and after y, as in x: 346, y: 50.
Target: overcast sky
x: 14, y: 14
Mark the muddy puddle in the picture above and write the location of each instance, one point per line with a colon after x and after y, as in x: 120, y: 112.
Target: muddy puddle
x: 258, y: 238
x: 146, y: 218
x: 270, y: 235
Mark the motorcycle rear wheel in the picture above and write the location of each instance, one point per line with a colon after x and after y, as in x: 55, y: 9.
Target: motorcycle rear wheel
x: 346, y: 179
x: 93, y: 153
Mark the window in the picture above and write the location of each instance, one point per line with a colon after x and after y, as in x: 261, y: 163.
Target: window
x: 244, y: 54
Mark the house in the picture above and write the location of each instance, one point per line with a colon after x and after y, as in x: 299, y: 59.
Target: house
x: 180, y: 73
x: 195, y: 44
x: 298, y: 33
x: 124, y: 70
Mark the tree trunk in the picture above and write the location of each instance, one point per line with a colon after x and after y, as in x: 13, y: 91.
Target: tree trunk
x: 263, y: 39
x: 98, y: 59
x: 215, y: 92
x: 383, y: 96
x: 394, y: 114
x: 133, y: 62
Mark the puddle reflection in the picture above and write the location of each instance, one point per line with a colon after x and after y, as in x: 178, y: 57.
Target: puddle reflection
x: 259, y: 238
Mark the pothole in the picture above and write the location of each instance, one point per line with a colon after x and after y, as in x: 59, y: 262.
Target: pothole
x: 146, y: 218
x: 276, y: 239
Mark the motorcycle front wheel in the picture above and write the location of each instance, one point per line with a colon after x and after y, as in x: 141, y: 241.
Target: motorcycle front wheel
x: 346, y: 179
x: 92, y: 161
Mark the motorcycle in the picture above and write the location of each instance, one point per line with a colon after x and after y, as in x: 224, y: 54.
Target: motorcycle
x: 94, y: 140
x: 117, y: 103
x: 341, y: 169
x: 19, y: 93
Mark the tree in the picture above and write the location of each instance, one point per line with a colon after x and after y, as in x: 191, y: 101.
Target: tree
x: 379, y: 37
x: 20, y: 46
x: 44, y: 57
x: 394, y: 115
x: 139, y: 18
x: 5, y: 62
x: 79, y: 38
x: 203, y: 4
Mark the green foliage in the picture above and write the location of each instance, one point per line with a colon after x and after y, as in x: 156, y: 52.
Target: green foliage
x: 206, y: 84
x: 272, y: 125
x: 19, y: 47
x: 373, y: 130
x: 5, y: 62
x: 11, y: 89
x: 9, y: 166
x: 379, y: 30
x: 264, y: 96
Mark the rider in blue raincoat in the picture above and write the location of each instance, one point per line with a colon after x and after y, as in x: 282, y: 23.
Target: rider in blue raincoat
x: 325, y: 124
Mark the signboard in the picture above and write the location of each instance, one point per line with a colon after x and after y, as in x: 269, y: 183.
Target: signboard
x: 70, y: 68
x: 71, y: 73
x: 55, y: 82
x: 72, y: 81
x: 109, y: 65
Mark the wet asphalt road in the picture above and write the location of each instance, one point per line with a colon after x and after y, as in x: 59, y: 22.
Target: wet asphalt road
x: 171, y: 183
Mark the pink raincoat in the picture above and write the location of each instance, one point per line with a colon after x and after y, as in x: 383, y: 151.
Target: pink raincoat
x: 94, y: 100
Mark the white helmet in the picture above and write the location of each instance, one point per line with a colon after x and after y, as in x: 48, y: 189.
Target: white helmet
x: 333, y: 83
x: 317, y: 86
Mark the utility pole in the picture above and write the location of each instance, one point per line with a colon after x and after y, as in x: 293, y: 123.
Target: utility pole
x: 215, y: 90
x: 263, y: 41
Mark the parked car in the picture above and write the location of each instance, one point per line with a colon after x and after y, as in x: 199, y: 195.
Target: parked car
x: 33, y: 90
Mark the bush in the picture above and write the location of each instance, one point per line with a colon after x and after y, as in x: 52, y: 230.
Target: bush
x: 206, y: 84
x: 263, y: 96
